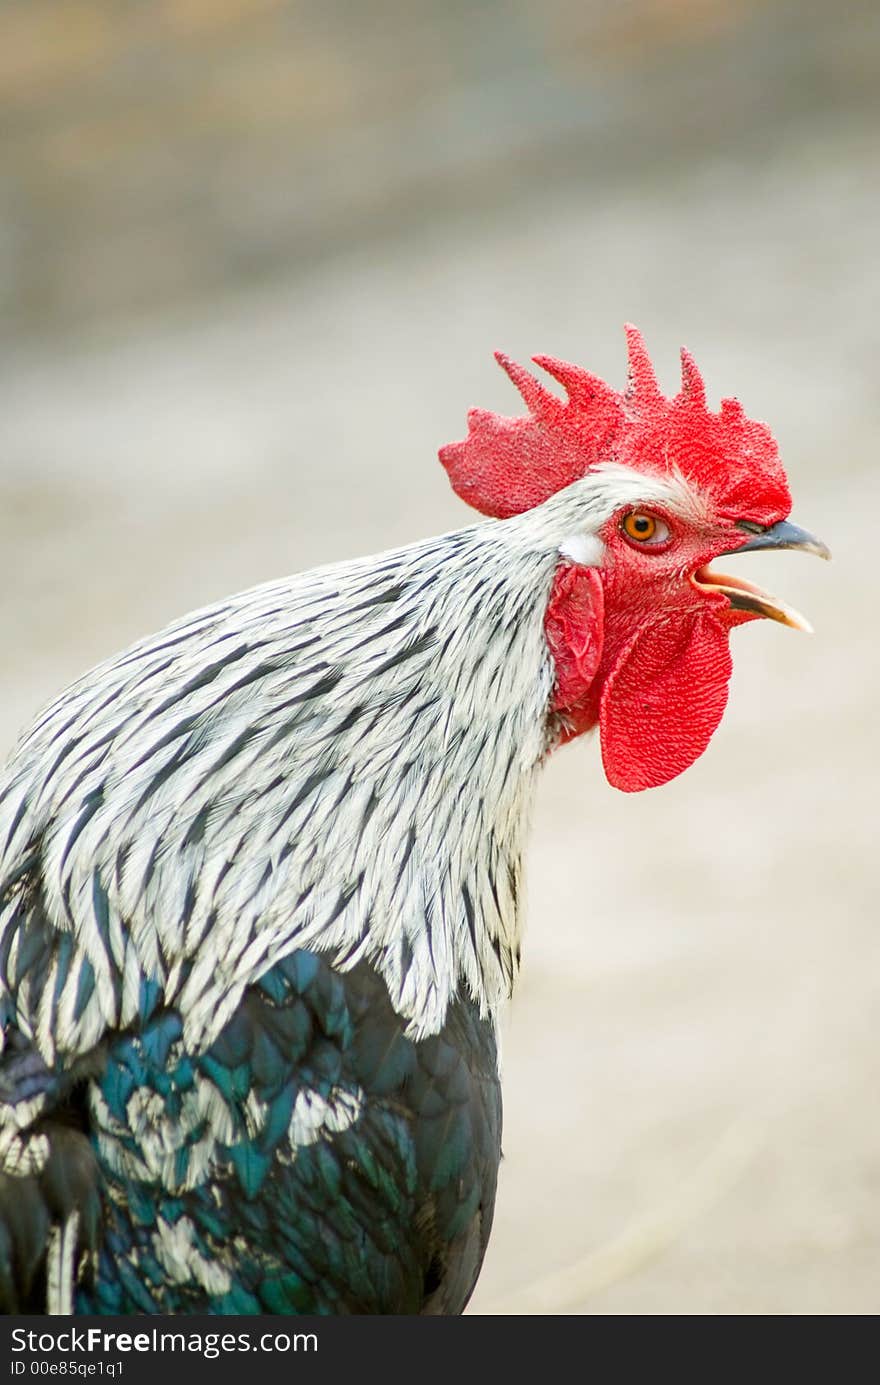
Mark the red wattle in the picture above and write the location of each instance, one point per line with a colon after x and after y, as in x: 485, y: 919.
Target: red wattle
x: 663, y: 699
x: 573, y: 626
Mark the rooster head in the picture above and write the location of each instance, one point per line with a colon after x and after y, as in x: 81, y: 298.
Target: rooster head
x: 637, y: 621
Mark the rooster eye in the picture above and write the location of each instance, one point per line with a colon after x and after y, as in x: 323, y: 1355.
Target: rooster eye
x: 642, y: 528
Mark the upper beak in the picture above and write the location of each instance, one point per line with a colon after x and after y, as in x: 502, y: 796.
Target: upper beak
x: 785, y: 535
x: 743, y: 596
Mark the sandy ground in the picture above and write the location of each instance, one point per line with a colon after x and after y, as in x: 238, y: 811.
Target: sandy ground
x: 691, y: 1063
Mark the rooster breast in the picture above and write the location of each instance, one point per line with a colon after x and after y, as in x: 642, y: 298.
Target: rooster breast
x: 313, y: 1159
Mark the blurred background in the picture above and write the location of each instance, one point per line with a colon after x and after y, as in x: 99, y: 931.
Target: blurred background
x: 254, y: 257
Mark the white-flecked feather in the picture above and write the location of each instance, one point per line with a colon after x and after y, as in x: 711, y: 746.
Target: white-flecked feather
x: 343, y: 760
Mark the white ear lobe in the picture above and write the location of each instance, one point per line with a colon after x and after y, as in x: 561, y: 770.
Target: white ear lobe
x: 586, y: 549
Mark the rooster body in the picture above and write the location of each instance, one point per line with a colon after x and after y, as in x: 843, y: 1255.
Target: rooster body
x: 259, y: 910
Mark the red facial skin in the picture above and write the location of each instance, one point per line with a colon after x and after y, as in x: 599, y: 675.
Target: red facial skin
x: 642, y: 651
x: 639, y: 649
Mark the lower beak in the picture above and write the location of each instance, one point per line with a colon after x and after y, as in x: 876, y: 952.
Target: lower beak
x: 743, y: 596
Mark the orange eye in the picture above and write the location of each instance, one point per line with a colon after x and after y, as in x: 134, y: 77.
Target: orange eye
x: 641, y: 527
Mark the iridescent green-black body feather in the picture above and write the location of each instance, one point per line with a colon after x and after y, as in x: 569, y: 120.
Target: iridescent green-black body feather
x: 312, y: 1160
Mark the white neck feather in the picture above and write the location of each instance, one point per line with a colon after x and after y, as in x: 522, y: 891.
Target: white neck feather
x: 343, y: 760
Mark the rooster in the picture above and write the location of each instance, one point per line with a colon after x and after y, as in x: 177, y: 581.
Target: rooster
x: 261, y: 874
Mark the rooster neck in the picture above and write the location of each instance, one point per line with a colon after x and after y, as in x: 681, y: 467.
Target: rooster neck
x: 411, y: 857
x: 342, y: 761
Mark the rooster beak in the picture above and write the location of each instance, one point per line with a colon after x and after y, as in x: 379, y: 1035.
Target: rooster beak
x: 743, y: 596
x: 785, y: 535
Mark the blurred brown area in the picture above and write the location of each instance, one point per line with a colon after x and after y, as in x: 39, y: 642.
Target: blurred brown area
x: 254, y: 257
x: 156, y: 150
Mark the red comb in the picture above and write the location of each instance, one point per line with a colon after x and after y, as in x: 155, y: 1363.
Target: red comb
x: 507, y: 465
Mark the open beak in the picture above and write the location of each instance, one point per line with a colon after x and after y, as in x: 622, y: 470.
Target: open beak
x: 743, y: 596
